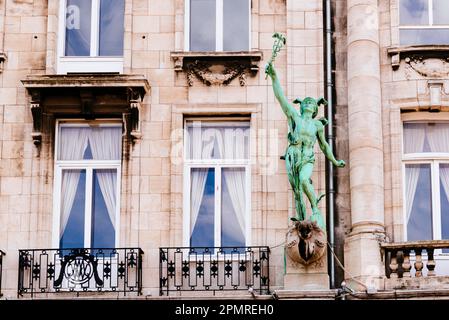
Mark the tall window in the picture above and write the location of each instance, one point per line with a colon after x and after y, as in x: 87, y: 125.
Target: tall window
x: 424, y: 22
x: 218, y: 25
x: 87, y: 185
x: 426, y: 166
x: 91, y: 35
x: 217, y: 183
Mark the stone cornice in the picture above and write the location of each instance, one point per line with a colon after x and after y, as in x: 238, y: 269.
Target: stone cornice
x: 88, y: 96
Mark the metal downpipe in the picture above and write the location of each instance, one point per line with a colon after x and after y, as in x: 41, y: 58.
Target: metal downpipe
x: 327, y: 13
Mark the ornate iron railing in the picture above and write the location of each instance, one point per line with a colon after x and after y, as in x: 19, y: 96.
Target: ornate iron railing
x: 1, y: 270
x: 214, y: 269
x: 405, y: 259
x: 80, y: 270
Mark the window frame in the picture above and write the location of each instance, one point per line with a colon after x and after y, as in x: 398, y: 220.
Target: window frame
x: 218, y: 165
x: 434, y: 159
x: 218, y: 26
x: 89, y: 166
x: 430, y: 25
x: 88, y: 64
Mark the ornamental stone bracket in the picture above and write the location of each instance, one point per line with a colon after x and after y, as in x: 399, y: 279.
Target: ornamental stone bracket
x: 217, y: 68
x: 427, y: 61
x: 93, y: 96
x: 2, y: 61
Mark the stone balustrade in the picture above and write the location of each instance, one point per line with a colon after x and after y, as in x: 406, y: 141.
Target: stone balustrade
x: 402, y: 258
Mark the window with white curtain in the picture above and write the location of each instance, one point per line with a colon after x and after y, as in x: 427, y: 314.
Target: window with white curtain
x: 91, y: 36
x: 218, y: 25
x: 217, y: 183
x: 424, y: 22
x: 426, y: 168
x: 87, y: 184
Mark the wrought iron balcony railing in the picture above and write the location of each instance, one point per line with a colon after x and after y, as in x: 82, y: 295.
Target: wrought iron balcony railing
x: 1, y: 270
x: 405, y: 259
x: 80, y: 270
x: 214, y: 269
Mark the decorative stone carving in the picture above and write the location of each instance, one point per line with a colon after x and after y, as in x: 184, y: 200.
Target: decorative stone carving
x: 431, y: 67
x: 306, y: 242
x: 216, y: 74
x: 427, y: 61
x: 217, y: 68
x: 36, y: 111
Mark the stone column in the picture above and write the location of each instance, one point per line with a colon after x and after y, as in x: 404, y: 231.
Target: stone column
x: 362, y: 253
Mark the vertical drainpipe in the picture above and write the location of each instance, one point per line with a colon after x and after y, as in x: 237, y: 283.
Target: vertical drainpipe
x: 327, y: 13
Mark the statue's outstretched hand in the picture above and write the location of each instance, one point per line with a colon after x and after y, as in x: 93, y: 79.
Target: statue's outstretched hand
x: 340, y: 163
x: 269, y: 69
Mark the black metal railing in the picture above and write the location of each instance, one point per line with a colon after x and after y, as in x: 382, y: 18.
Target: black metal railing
x: 214, y: 269
x: 80, y: 270
x: 1, y: 270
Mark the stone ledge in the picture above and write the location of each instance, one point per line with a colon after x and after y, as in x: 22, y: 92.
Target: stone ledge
x: 305, y: 294
x: 86, y: 81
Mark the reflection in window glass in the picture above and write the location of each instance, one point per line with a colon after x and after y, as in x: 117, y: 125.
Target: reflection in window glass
x: 78, y: 28
x: 73, y: 193
x: 424, y: 36
x: 202, y: 25
x: 104, y: 208
x: 235, y: 25
x: 444, y: 201
x: 441, y: 12
x: 418, y: 202
x: 233, y: 207
x: 111, y: 27
x: 202, y: 209
x: 413, y: 12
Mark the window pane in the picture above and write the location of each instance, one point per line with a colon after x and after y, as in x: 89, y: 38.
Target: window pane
x: 233, y: 207
x: 424, y: 36
x: 444, y: 201
x: 441, y: 12
x: 202, y: 25
x: 418, y: 200
x: 104, y: 200
x: 426, y: 137
x: 78, y: 25
x: 111, y: 27
x: 202, y: 207
x: 413, y: 12
x: 87, y: 143
x: 73, y: 192
x: 218, y: 140
x: 235, y: 25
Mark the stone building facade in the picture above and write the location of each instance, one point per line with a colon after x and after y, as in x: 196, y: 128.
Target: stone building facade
x: 181, y: 87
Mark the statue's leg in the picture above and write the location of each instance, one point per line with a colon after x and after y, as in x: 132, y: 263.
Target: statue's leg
x: 305, y: 174
x: 293, y: 177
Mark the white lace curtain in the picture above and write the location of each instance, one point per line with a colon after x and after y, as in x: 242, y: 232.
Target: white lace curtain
x: 220, y: 142
x: 105, y: 144
x: 415, y: 136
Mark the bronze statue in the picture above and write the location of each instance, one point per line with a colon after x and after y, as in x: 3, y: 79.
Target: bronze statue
x: 303, y: 132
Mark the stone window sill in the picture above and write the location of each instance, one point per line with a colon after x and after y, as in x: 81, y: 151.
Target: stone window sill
x: 420, y: 52
x: 217, y: 68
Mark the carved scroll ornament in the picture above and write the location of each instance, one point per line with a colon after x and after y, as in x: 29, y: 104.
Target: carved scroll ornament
x: 431, y: 67
x: 215, y: 74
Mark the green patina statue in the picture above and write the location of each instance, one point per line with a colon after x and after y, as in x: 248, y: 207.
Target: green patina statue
x: 303, y: 132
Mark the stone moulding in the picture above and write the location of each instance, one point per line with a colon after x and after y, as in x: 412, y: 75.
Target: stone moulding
x: 88, y: 96
x: 427, y: 61
x: 217, y: 68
